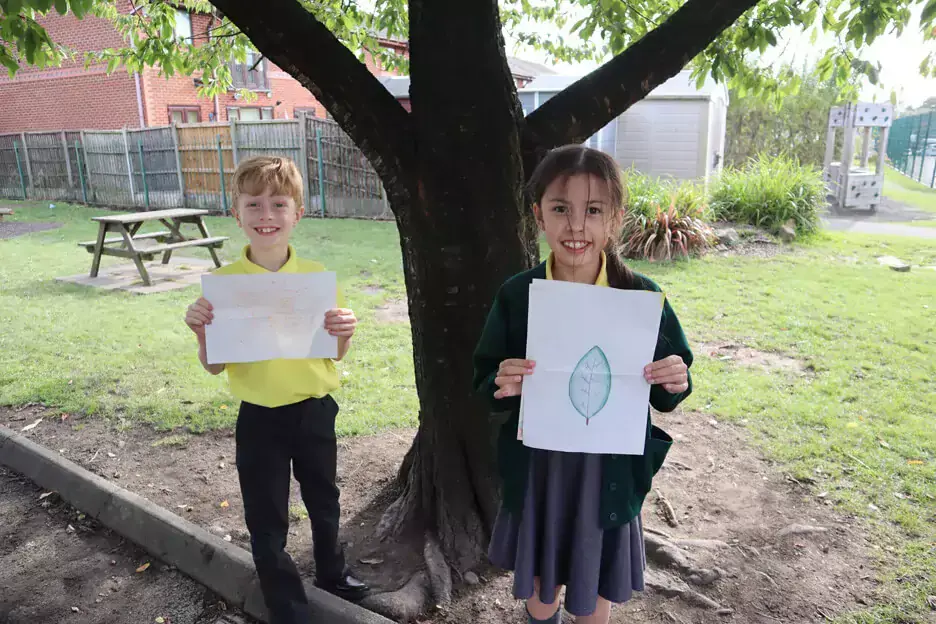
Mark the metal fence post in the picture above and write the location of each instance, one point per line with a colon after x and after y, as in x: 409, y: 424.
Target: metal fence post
x: 304, y: 160
x: 224, y: 202
x: 84, y: 189
x: 143, y: 176
x: 321, y: 168
x: 29, y: 175
x: 234, y: 154
x: 929, y: 127
x: 178, y: 160
x: 129, y: 165
x: 19, y: 168
x: 68, y: 167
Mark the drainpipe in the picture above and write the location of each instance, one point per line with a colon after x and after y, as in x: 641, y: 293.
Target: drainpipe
x: 217, y: 112
x: 139, y: 94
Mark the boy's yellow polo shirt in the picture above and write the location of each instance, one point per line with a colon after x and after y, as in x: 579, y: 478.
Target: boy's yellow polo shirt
x: 272, y: 383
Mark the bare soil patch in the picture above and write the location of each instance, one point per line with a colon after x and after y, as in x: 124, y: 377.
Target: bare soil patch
x: 745, y: 356
x: 58, y: 566
x: 10, y: 229
x: 395, y: 311
x: 735, y: 505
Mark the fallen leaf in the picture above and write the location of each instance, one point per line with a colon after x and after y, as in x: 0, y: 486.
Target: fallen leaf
x: 81, y: 517
x: 884, y: 444
x: 70, y: 529
x: 160, y: 620
x: 224, y: 407
x: 75, y: 609
x: 374, y: 561
x: 111, y: 455
x: 224, y: 504
x: 32, y: 426
x: 143, y: 567
x: 227, y: 538
x: 46, y: 495
x: 915, y: 462
x: 64, y: 417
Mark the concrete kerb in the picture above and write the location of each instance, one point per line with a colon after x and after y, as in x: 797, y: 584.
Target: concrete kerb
x: 223, y: 567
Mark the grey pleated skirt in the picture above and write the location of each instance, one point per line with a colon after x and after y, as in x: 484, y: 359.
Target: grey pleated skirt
x: 558, y: 538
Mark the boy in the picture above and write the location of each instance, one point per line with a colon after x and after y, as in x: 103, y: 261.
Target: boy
x: 287, y: 414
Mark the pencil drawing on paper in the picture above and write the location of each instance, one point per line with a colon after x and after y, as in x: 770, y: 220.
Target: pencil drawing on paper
x: 590, y: 384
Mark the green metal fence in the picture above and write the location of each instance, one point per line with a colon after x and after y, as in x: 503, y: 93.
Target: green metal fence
x: 911, y: 147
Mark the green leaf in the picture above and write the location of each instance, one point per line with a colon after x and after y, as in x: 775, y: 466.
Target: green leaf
x: 61, y: 6
x: 929, y: 12
x: 771, y: 38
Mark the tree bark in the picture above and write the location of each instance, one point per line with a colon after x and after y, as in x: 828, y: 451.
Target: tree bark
x: 287, y: 34
x: 462, y: 235
x: 589, y: 104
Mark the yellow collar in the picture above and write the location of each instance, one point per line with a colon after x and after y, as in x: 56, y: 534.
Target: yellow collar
x: 602, y: 272
x: 250, y: 267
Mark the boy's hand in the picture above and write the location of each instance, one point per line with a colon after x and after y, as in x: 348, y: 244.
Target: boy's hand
x: 670, y: 372
x: 198, y: 315
x: 509, y: 379
x: 340, y: 322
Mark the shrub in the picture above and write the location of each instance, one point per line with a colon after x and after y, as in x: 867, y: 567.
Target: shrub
x: 667, y: 234
x: 647, y: 194
x: 769, y: 191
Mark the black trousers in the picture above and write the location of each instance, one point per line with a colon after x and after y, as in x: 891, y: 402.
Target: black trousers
x: 269, y: 442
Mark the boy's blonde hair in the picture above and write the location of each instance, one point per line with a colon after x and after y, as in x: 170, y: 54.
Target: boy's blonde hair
x: 280, y: 175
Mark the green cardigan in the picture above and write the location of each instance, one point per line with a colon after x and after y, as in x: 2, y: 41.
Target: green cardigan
x: 626, y: 479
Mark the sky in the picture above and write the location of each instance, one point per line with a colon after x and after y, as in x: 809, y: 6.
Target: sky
x: 899, y: 57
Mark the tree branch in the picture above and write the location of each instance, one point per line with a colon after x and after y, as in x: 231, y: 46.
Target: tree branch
x: 291, y: 37
x: 592, y: 102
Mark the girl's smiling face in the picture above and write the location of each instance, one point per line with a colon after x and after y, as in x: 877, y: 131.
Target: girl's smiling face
x: 576, y: 214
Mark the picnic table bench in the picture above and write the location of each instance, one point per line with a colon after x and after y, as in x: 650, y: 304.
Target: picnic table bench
x: 127, y: 228
x: 4, y: 212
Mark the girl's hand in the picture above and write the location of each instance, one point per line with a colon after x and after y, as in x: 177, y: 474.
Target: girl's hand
x: 198, y: 315
x: 509, y: 379
x: 670, y: 372
x: 340, y: 322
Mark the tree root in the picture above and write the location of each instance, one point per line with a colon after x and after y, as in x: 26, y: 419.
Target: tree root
x: 432, y: 587
x: 440, y: 574
x: 667, y: 554
x: 404, y: 604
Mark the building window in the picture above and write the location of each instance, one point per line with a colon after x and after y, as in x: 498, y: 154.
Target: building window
x: 308, y: 110
x: 249, y: 113
x: 184, y: 114
x: 183, y: 25
x: 250, y: 74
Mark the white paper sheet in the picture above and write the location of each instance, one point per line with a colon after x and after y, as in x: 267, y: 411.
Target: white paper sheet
x: 590, y: 345
x: 269, y: 316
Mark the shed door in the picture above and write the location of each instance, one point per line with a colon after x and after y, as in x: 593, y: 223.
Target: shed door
x: 663, y: 138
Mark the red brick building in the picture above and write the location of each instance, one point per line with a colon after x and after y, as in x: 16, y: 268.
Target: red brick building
x: 71, y: 97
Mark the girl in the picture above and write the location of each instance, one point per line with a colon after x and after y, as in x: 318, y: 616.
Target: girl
x: 573, y: 519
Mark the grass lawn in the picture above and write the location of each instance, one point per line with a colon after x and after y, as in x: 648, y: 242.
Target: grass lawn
x: 860, y: 424
x: 900, y: 188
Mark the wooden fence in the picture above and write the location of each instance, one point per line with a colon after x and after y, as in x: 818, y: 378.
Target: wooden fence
x: 189, y: 165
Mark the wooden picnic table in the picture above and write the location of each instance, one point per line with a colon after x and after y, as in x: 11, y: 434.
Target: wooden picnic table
x: 127, y: 226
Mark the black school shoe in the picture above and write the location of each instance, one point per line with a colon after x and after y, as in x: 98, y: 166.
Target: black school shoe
x: 347, y: 588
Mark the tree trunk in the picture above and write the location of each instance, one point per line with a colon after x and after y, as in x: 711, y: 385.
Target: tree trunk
x: 462, y: 235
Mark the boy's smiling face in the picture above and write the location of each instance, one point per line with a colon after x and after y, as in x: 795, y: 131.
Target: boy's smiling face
x: 267, y: 219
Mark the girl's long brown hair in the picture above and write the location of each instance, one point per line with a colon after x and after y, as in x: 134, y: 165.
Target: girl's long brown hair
x: 570, y: 160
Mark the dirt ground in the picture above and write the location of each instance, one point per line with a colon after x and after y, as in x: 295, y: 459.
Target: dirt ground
x: 9, y: 229
x: 720, y: 489
x: 58, y: 566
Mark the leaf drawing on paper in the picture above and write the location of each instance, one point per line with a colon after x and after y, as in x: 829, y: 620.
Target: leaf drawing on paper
x: 590, y: 384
